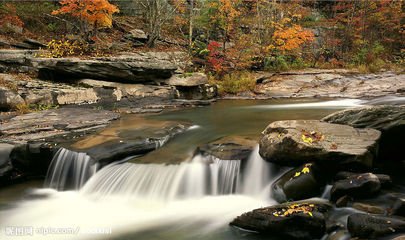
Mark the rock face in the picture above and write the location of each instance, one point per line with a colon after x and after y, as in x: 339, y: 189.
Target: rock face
x: 357, y: 186
x: 390, y: 120
x: 299, y: 141
x: 299, y: 183
x: 371, y: 226
x: 297, y: 220
x: 132, y: 67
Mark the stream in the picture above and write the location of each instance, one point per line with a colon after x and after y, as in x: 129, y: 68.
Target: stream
x: 170, y: 193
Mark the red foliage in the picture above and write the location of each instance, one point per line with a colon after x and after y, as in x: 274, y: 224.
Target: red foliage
x: 215, y: 58
x: 8, y: 15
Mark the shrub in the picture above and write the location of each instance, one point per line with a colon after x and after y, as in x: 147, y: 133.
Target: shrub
x: 236, y: 82
x: 62, y: 48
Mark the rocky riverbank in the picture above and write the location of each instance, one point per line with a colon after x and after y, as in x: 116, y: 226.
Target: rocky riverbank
x: 344, y: 156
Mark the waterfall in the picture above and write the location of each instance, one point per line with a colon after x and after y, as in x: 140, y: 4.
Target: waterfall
x: 197, y: 178
x: 256, y: 176
x: 69, y: 170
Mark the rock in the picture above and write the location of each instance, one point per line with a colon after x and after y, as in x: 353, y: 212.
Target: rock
x: 137, y: 35
x: 390, y: 120
x: 339, y: 235
x: 9, y: 99
x: 34, y: 43
x: 368, y: 208
x: 115, y: 144
x: 398, y: 207
x: 371, y: 226
x: 126, y: 90
x: 229, y: 148
x: 378, y: 117
x: 333, y: 84
x: 201, y: 92
x: 357, y: 186
x: 37, y: 126
x: 128, y: 68
x: 297, y: 184
x: 385, y: 180
x: 188, y: 80
x: 296, y: 142
x: 296, y: 220
x: 5, y: 161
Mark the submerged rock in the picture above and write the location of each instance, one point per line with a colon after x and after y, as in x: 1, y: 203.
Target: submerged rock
x: 296, y: 142
x: 299, y: 183
x: 229, y: 148
x: 297, y: 220
x: 373, y: 226
x: 356, y: 186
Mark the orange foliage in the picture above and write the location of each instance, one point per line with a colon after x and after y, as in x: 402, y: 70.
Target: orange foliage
x: 97, y: 13
x: 8, y: 15
x: 291, y: 38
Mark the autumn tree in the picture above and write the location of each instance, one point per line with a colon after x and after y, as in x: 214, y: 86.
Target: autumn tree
x: 8, y: 16
x: 92, y: 14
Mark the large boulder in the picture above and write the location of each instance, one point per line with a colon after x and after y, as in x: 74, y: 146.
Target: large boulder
x: 297, y: 220
x: 390, y: 120
x: 296, y: 142
x: 357, y: 186
x: 192, y: 86
x: 5, y: 161
x: 188, y: 80
x: 299, y: 183
x: 373, y: 226
x: 130, y: 67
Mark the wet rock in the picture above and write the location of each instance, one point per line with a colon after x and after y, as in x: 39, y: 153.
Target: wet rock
x: 297, y: 220
x: 229, y: 148
x: 299, y: 183
x: 385, y: 180
x: 398, y: 207
x: 368, y: 208
x: 130, y: 142
x: 5, y: 161
x: 38, y: 126
x: 296, y: 142
x: 372, y: 226
x: 390, y: 120
x: 357, y: 186
x: 339, y: 235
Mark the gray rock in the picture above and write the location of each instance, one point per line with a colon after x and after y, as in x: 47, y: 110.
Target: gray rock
x: 296, y: 220
x: 5, y: 163
x: 137, y: 35
x: 9, y: 99
x: 51, y: 123
x: 371, y: 226
x: 356, y: 186
x: 130, y: 68
x: 297, y: 184
x: 229, y: 148
x: 201, y: 92
x: 35, y: 43
x: 188, y: 80
x: 296, y: 142
x: 378, y: 117
x: 390, y: 120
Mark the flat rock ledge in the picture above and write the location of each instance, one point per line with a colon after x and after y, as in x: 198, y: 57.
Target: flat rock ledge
x: 297, y: 142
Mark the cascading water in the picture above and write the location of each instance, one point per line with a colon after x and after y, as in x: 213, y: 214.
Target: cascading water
x: 202, y: 176
x: 69, y: 170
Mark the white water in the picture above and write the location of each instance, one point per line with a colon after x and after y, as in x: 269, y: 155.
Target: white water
x: 69, y: 169
x: 195, y: 198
